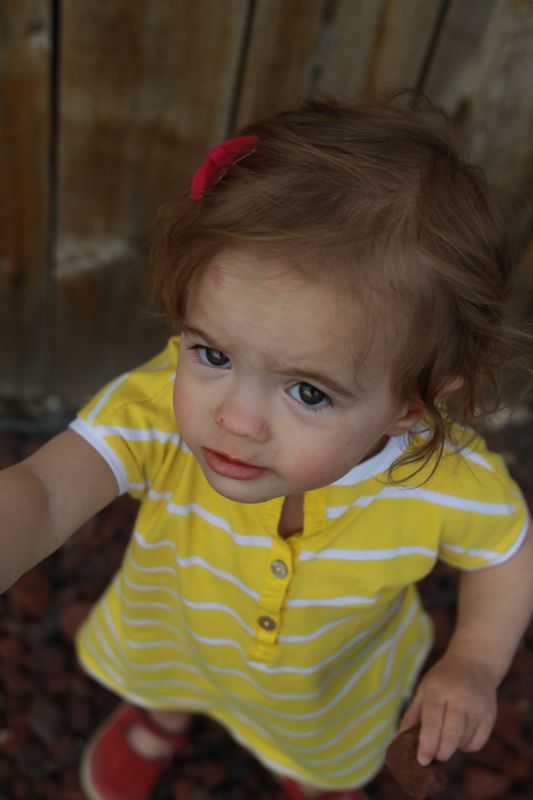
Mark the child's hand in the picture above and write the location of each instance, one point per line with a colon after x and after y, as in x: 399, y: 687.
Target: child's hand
x: 454, y: 705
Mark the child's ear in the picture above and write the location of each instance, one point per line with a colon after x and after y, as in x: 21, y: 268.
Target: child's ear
x: 410, y: 415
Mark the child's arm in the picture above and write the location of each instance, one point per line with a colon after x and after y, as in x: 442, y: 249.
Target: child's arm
x: 45, y: 498
x: 455, y: 702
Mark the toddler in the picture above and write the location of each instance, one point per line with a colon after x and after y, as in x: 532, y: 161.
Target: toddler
x: 336, y: 281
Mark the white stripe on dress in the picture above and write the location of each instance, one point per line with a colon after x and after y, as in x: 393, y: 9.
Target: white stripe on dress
x: 428, y: 496
x: 324, y: 602
x: 367, y: 555
x: 106, y: 395
x: 207, y: 606
x: 197, y: 561
x: 142, y: 435
x: 490, y: 555
x: 301, y: 602
x: 354, y: 678
x: 247, y: 540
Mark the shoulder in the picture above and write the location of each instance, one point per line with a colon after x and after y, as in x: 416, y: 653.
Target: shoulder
x: 143, y: 390
x: 485, y: 516
x: 131, y: 422
x: 466, y: 462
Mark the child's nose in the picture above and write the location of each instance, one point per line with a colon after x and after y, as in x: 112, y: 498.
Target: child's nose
x: 241, y: 413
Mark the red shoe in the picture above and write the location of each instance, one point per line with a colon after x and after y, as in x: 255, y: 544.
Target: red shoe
x: 112, y: 770
x: 294, y: 791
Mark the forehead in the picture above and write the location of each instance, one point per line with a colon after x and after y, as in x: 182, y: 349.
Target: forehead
x: 269, y: 291
x: 286, y: 314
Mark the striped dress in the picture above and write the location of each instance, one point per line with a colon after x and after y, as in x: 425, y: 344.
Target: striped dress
x: 305, y: 647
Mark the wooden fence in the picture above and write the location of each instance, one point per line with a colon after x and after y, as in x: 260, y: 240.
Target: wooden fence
x: 107, y: 105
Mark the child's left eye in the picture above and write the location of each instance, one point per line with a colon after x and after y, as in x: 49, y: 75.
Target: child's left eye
x: 212, y: 357
x: 309, y: 395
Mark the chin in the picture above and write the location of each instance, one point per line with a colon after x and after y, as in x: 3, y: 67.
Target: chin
x: 239, y: 492
x: 241, y: 497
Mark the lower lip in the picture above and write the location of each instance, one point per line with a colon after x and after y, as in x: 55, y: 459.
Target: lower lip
x: 230, y: 469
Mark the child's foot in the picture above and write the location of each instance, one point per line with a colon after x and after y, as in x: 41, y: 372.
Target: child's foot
x: 128, y: 755
x: 296, y: 791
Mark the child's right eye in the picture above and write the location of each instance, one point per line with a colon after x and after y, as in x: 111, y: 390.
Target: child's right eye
x: 212, y: 357
x: 308, y: 395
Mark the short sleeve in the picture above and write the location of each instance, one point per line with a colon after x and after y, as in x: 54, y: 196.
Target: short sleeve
x: 487, y: 517
x: 130, y: 422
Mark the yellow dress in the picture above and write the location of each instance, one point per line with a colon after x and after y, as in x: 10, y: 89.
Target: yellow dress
x: 305, y: 647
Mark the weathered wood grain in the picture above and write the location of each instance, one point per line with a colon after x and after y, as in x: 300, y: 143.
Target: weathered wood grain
x: 375, y: 48
x: 279, y: 62
x: 340, y: 47
x: 482, y: 73
x: 145, y: 89
x: 25, y: 48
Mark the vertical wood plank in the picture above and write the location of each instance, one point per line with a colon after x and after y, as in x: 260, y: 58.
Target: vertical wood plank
x: 483, y: 77
x: 341, y: 47
x: 279, y: 65
x: 491, y: 94
x: 501, y: 124
x: 451, y: 77
x: 146, y: 88
x: 24, y: 183
x: 374, y: 48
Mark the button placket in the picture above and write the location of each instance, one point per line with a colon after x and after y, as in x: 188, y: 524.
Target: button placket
x: 269, y: 608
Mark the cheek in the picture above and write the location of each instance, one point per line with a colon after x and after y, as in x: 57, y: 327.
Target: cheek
x: 311, y: 467
x: 185, y: 405
x: 314, y: 474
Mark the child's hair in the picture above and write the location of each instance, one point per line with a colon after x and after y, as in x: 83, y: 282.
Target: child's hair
x: 377, y: 196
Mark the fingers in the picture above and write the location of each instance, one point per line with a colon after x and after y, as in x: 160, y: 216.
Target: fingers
x: 442, y: 732
x: 412, y: 715
x: 454, y: 708
x: 480, y: 736
x: 445, y: 729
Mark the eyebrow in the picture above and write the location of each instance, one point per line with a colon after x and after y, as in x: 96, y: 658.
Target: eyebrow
x: 190, y: 330
x: 307, y: 376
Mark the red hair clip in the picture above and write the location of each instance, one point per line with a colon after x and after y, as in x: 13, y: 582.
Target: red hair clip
x: 218, y: 161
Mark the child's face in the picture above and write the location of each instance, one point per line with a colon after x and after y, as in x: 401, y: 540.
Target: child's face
x: 280, y: 388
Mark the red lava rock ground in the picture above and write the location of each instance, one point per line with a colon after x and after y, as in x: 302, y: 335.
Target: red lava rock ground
x: 49, y: 708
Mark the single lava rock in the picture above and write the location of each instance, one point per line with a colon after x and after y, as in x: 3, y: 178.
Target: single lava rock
x: 414, y: 779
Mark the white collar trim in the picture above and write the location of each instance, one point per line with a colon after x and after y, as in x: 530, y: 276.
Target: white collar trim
x: 377, y: 464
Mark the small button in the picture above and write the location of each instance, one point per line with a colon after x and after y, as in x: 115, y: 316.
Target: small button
x: 267, y: 623
x: 279, y: 568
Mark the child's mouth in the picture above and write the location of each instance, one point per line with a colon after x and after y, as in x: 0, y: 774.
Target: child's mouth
x: 229, y: 468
